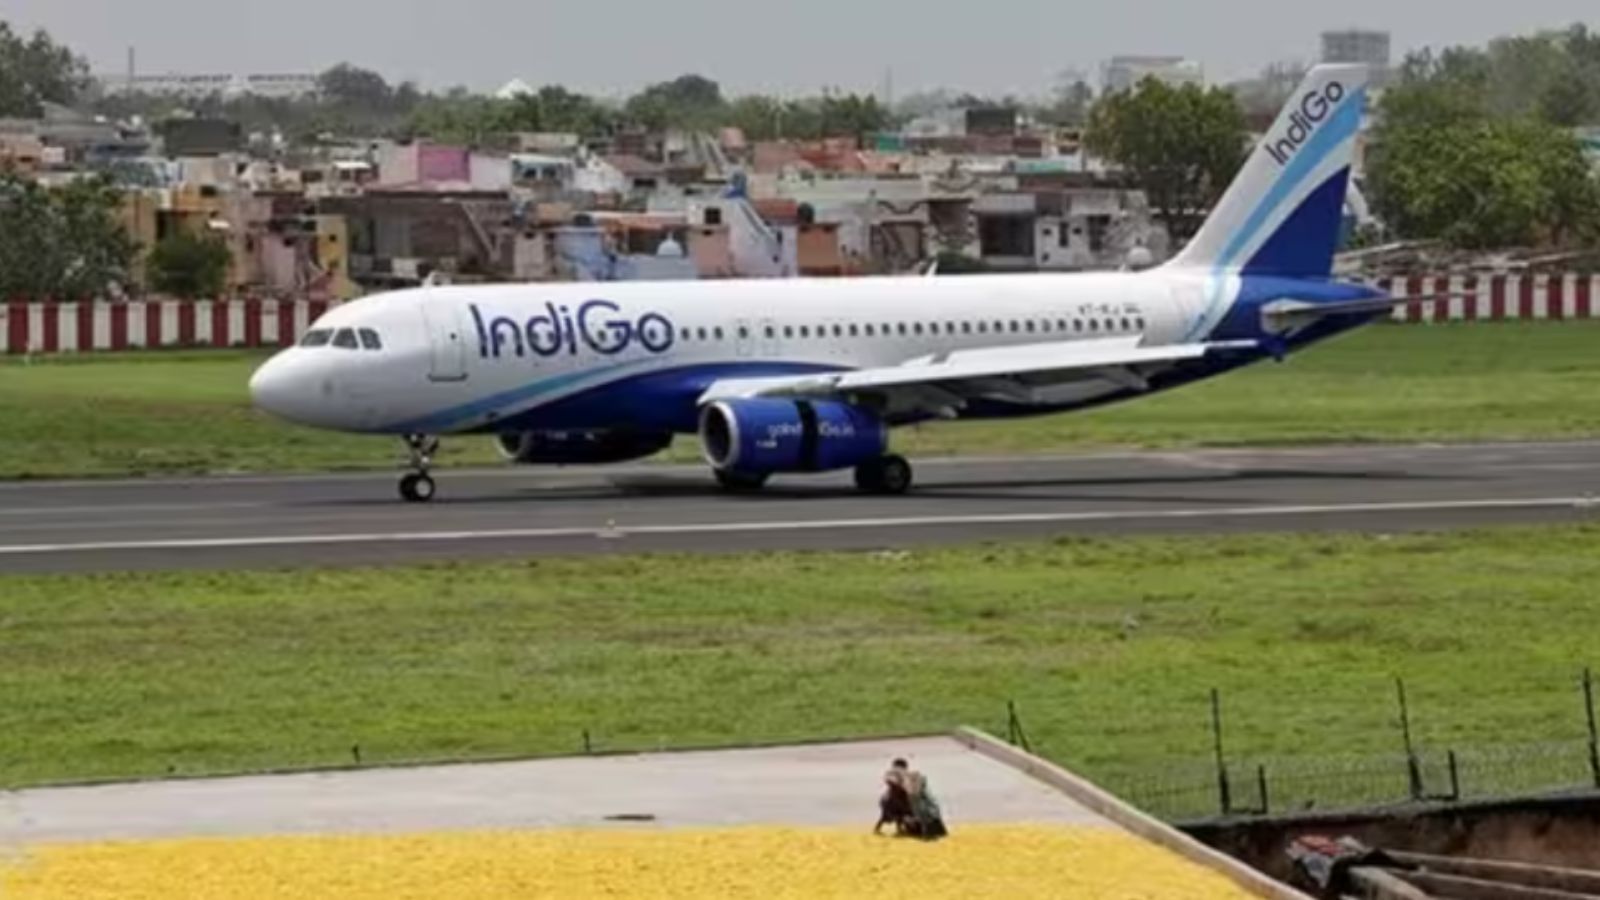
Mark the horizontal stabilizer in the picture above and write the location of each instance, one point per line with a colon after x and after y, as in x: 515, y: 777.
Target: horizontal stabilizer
x: 1289, y: 315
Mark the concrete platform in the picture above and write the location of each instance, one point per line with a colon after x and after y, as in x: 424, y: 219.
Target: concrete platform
x: 833, y: 784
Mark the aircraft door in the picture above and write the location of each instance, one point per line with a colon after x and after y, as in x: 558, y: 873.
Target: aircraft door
x: 447, y: 341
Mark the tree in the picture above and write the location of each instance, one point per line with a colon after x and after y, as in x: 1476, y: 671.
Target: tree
x: 688, y: 102
x: 1481, y: 182
x: 189, y: 266
x: 1474, y: 147
x: 350, y: 86
x: 36, y: 71
x: 1182, y: 145
x: 61, y: 243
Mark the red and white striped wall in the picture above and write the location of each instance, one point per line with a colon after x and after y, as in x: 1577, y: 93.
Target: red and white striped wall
x: 1494, y: 298
x: 84, y: 327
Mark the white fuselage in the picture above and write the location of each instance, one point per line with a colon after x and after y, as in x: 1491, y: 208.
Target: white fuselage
x: 456, y: 359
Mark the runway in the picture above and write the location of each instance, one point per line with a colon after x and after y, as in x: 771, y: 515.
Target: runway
x: 259, y: 522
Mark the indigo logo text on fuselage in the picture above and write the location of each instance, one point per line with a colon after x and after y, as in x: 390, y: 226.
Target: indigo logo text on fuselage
x: 598, y: 325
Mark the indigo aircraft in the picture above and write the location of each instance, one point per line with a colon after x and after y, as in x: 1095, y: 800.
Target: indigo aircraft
x: 798, y: 376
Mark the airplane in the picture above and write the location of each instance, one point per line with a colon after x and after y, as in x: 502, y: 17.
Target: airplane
x: 778, y: 377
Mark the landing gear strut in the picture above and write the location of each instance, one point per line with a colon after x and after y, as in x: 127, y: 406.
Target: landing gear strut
x: 884, y: 475
x: 417, y: 486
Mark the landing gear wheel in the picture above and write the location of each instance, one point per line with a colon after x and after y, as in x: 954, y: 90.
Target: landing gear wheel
x: 884, y: 475
x: 417, y: 488
x: 740, y: 482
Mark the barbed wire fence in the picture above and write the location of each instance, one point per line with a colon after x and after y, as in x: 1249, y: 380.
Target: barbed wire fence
x: 1225, y: 786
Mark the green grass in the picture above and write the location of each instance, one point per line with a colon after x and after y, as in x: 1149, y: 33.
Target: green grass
x: 1109, y: 648
x: 188, y: 413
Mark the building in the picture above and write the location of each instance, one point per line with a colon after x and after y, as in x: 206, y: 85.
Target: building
x: 1125, y: 72
x: 1372, y: 48
x: 280, y: 85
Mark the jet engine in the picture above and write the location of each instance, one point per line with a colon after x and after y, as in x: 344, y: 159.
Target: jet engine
x: 759, y: 437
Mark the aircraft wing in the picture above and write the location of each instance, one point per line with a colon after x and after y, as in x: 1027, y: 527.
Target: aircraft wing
x: 943, y: 383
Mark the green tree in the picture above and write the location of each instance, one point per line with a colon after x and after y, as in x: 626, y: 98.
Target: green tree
x: 189, y: 266
x: 35, y: 71
x: 1182, y: 145
x: 351, y: 86
x: 689, y: 101
x: 1474, y: 146
x: 61, y: 243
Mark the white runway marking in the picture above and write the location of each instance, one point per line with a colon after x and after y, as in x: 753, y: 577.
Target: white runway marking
x: 622, y: 531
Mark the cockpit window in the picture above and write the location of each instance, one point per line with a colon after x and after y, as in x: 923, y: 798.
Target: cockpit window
x: 345, y: 338
x: 369, y: 340
x: 317, y: 337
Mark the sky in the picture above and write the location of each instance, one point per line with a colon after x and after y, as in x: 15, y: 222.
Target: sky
x: 993, y: 47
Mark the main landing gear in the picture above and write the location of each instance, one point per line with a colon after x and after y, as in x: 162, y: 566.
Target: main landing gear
x: 885, y: 475
x: 417, y: 486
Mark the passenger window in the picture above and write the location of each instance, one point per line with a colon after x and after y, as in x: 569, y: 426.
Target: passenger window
x: 870, y: 330
x: 983, y: 327
x: 345, y: 339
x: 1094, y: 324
x: 369, y: 340
x: 788, y: 331
x: 999, y: 328
x: 902, y: 329
x: 317, y: 338
x: 916, y: 328
x: 1030, y: 326
x: 854, y: 332
x: 772, y: 332
x: 966, y: 327
x: 805, y: 331
x: 717, y: 334
x: 1077, y: 325
x: 1061, y: 325
x: 700, y: 333
x: 743, y: 332
x: 687, y: 334
x: 1139, y: 323
x: 1125, y: 326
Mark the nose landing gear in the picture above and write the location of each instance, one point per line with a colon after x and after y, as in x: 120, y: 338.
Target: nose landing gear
x: 417, y: 486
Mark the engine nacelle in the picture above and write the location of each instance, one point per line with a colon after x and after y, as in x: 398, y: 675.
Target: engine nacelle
x: 761, y: 436
x: 579, y: 447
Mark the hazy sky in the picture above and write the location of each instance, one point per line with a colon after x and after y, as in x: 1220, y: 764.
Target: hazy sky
x: 800, y: 45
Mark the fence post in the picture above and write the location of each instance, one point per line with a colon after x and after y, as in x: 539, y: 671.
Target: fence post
x: 588, y: 745
x: 1015, y: 735
x: 1223, y: 794
x: 1455, y: 779
x: 1261, y: 785
x: 1413, y: 768
x: 1594, y: 734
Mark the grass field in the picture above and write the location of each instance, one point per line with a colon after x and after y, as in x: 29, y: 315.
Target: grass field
x: 188, y: 413
x: 1108, y: 647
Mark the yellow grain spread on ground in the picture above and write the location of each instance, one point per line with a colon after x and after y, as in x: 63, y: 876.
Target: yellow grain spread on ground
x: 978, y: 861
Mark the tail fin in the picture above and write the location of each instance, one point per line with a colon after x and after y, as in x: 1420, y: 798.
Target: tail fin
x: 1281, y: 216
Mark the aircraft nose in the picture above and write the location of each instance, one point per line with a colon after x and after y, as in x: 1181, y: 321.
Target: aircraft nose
x: 273, y: 390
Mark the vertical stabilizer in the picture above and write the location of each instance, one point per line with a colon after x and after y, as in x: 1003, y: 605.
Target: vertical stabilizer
x: 1282, y: 214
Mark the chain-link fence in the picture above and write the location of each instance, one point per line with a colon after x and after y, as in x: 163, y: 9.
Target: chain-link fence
x: 1198, y: 788
x: 1191, y: 791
